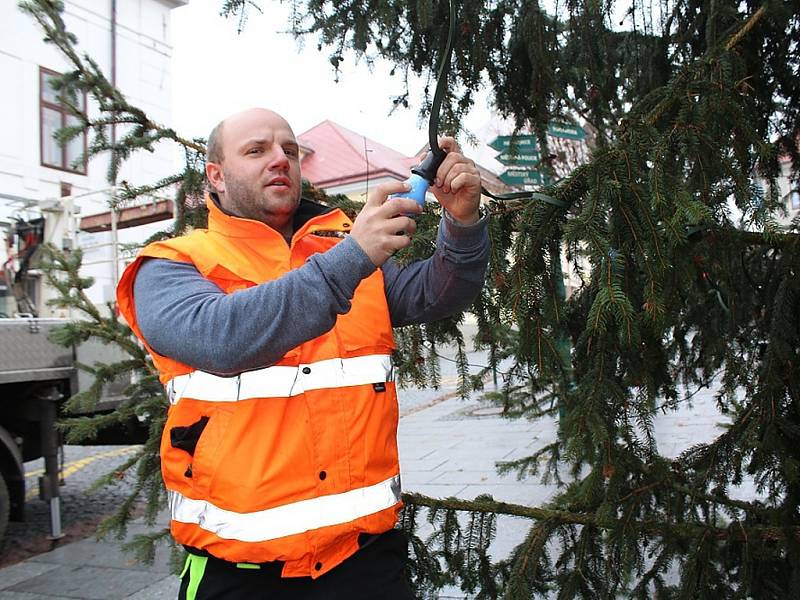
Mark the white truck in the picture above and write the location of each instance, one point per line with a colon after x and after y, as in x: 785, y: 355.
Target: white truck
x: 36, y: 375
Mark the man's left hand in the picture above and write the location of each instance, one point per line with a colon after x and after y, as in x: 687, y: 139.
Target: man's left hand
x: 458, y: 184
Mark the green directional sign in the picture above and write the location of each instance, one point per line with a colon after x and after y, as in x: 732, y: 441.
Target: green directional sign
x: 530, y: 157
x: 563, y: 130
x: 523, y: 177
x: 527, y: 143
x: 523, y: 144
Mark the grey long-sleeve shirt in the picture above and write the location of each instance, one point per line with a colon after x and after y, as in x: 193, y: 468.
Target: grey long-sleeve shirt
x: 190, y: 319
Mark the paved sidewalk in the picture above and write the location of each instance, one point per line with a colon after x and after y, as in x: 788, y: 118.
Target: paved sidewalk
x: 448, y: 447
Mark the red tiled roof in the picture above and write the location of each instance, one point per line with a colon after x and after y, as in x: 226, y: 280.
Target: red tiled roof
x: 338, y: 157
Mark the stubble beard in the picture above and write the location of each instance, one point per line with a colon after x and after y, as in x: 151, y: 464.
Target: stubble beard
x: 250, y: 201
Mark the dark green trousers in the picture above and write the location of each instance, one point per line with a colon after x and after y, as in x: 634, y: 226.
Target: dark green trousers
x: 376, y: 571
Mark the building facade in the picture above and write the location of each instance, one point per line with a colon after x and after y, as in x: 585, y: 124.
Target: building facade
x: 341, y: 161
x: 130, y: 41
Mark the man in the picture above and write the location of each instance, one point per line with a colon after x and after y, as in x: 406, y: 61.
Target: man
x: 272, y: 331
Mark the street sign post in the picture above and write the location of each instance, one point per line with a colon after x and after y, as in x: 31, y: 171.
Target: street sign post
x: 521, y: 154
x: 522, y: 143
x: 526, y: 159
x: 523, y: 177
x: 527, y: 143
x: 563, y: 130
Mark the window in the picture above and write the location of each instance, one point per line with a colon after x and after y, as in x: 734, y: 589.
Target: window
x: 53, y: 116
x: 794, y: 196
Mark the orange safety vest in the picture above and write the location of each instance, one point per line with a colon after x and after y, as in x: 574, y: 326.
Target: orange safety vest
x: 295, y: 459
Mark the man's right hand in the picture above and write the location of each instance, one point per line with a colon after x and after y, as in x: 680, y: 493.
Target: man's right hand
x: 381, y: 228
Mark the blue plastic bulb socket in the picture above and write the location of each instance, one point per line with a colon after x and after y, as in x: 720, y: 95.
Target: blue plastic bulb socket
x: 419, y: 187
x: 422, y: 177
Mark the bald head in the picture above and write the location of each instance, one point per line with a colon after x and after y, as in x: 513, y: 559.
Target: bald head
x: 215, y: 149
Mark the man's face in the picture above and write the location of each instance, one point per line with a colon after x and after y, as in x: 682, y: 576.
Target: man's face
x: 260, y: 169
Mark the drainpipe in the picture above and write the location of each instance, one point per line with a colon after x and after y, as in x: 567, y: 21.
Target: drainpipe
x: 113, y: 63
x: 114, y: 239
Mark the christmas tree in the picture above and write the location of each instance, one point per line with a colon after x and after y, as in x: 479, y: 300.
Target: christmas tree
x: 674, y: 226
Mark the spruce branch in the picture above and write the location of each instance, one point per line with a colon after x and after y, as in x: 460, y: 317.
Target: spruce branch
x: 745, y: 29
x: 735, y: 531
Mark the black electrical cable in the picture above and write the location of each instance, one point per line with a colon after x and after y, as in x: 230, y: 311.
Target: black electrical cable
x: 431, y: 163
x: 441, y: 84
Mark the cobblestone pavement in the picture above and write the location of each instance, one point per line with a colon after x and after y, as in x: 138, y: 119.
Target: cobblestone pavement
x: 81, y: 510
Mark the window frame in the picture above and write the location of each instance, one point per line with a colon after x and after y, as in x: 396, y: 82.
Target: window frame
x: 61, y: 109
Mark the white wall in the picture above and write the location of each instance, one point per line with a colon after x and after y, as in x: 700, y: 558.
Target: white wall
x: 143, y: 56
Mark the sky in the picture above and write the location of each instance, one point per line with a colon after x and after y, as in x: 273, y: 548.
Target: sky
x: 217, y: 71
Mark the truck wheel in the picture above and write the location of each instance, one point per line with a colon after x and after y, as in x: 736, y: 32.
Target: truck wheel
x: 5, y: 505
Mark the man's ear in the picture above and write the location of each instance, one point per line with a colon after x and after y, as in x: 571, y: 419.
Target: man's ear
x: 215, y: 176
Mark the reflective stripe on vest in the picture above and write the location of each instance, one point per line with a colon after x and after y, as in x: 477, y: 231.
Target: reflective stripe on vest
x: 288, y: 519
x: 280, y: 381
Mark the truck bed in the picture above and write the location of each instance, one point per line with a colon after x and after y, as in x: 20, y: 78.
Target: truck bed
x: 27, y: 354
